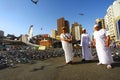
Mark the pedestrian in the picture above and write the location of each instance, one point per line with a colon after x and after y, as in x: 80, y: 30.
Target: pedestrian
x: 101, y: 42
x: 114, y: 45
x: 86, y: 43
x: 66, y: 40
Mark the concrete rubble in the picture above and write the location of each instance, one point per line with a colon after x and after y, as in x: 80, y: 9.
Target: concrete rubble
x: 11, y: 58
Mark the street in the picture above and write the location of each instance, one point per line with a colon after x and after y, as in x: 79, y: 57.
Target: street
x: 56, y: 69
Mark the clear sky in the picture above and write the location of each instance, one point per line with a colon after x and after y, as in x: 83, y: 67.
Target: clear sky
x: 16, y: 16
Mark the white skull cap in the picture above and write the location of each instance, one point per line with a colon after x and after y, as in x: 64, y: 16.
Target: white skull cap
x: 83, y: 28
x: 96, y: 25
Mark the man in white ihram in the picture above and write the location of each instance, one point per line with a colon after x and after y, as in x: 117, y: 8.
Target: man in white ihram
x: 85, y: 43
x: 101, y: 42
x: 66, y: 39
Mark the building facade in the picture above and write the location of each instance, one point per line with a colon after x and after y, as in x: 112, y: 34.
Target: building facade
x: 61, y: 22
x: 1, y: 33
x: 100, y: 22
x: 116, y: 10
x: 54, y: 34
x: 112, y: 20
x: 76, y: 31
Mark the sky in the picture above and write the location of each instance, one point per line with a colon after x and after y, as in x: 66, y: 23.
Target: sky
x: 16, y: 16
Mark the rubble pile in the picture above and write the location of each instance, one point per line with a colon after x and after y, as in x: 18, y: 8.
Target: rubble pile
x: 10, y: 58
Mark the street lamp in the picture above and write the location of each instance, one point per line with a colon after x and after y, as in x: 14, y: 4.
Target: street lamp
x: 35, y: 1
x: 81, y: 14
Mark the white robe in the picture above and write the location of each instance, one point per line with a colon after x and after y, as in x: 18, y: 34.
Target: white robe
x: 104, y: 54
x: 67, y: 47
x: 86, y: 50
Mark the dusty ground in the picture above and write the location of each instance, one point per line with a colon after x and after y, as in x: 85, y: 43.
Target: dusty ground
x: 55, y: 69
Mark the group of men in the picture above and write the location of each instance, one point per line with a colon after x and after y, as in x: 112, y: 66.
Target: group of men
x: 100, y: 41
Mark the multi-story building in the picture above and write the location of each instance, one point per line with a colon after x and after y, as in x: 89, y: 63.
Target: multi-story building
x: 112, y: 20
x: 61, y: 22
x: 67, y: 25
x: 100, y: 22
x: 54, y: 33
x: 116, y: 10
x: 76, y: 31
x: 106, y: 20
x: 1, y: 33
x: 109, y: 21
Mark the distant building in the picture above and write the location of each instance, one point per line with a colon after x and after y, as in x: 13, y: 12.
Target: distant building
x: 76, y: 31
x: 24, y: 38
x: 46, y: 43
x: 1, y: 33
x: 61, y: 22
x: 45, y: 35
x: 67, y: 26
x: 58, y: 37
x: 54, y: 34
x: 100, y: 22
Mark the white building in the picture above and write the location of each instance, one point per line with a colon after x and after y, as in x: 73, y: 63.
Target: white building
x: 109, y: 21
x: 112, y: 20
x: 116, y: 10
x: 77, y: 33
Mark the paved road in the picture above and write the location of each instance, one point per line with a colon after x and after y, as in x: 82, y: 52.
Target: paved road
x: 55, y: 69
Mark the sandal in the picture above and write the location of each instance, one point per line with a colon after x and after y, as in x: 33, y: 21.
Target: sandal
x: 109, y: 67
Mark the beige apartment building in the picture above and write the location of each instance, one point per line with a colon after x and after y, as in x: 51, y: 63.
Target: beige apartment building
x: 112, y: 20
x: 76, y: 31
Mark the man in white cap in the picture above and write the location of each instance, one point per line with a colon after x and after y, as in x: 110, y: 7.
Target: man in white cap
x: 101, y: 42
x: 85, y: 43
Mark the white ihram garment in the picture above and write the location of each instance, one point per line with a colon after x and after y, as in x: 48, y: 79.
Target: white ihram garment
x: 104, y: 54
x: 67, y: 47
x: 86, y: 50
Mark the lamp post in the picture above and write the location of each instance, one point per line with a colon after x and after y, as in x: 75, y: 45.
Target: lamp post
x: 35, y: 1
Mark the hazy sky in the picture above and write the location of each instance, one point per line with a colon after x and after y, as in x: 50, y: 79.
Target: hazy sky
x: 16, y: 16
